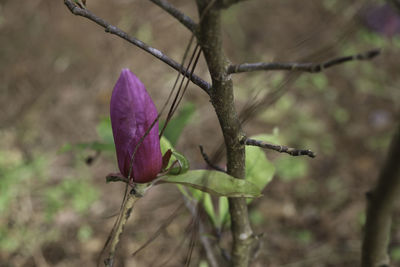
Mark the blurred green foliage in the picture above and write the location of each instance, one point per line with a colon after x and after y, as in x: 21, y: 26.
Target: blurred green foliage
x: 179, y: 121
x: 303, y: 236
x: 395, y: 253
x: 30, y: 199
x: 106, y: 142
x: 256, y: 217
x: 290, y: 168
x: 85, y: 232
x: 77, y: 194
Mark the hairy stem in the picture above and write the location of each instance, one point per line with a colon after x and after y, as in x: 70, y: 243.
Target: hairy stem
x: 210, y: 40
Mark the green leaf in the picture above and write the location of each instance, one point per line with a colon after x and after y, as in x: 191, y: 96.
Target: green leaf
x: 104, y: 130
x: 215, y: 182
x: 176, y: 125
x: 223, y: 210
x: 209, y: 207
x: 105, y: 133
x: 165, y: 145
x: 259, y: 170
x: 181, y: 164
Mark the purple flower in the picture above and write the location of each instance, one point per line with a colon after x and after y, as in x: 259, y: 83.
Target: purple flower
x: 382, y: 19
x: 132, y: 112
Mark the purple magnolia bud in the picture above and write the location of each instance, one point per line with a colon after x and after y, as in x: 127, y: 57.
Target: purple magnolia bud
x: 132, y: 112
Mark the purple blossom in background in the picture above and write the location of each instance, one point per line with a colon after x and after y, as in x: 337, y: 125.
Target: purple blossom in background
x: 382, y: 19
x: 132, y: 112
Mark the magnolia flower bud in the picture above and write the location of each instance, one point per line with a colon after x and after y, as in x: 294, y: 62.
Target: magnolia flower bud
x: 132, y: 112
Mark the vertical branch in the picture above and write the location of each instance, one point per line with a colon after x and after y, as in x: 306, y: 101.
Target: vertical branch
x: 210, y: 40
x: 379, y: 209
x: 135, y: 194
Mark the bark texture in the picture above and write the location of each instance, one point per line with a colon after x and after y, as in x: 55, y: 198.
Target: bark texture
x: 222, y: 98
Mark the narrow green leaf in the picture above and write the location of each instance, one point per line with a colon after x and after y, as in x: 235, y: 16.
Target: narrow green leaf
x: 209, y: 207
x: 176, y: 125
x: 104, y: 130
x: 215, y: 182
x: 223, y: 210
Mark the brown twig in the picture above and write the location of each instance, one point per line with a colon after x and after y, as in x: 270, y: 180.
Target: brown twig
x: 181, y: 17
x: 162, y: 228
x: 306, y: 67
x: 279, y: 148
x: 208, y: 248
x: 207, y: 160
x: 76, y: 10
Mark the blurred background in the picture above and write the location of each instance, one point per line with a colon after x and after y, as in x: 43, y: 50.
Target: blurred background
x: 57, y: 72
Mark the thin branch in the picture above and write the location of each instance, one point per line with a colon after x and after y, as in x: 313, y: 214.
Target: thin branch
x: 160, y: 229
x: 207, y: 160
x: 135, y: 194
x: 282, y: 149
x: 204, y: 239
x: 222, y: 98
x: 181, y: 17
x: 76, y: 10
x: 306, y: 67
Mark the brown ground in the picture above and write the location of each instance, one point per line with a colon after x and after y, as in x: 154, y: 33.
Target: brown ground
x: 57, y: 73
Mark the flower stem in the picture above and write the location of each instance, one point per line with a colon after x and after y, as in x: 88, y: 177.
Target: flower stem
x: 134, y: 195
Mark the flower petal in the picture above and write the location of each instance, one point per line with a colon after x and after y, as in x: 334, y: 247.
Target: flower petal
x: 132, y: 112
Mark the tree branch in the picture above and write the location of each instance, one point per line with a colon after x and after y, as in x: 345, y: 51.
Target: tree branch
x: 181, y: 17
x: 135, y: 194
x: 379, y: 209
x: 279, y: 148
x: 222, y: 99
x: 155, y: 52
x: 306, y: 67
x: 207, y: 160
